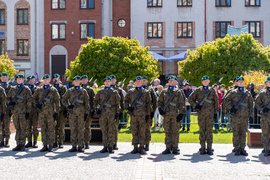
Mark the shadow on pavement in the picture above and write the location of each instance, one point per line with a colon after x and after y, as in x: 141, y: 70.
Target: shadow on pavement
x: 22, y: 154
x: 196, y: 157
x: 155, y: 158
x: 233, y: 159
x: 94, y: 155
x: 262, y: 158
x: 126, y: 157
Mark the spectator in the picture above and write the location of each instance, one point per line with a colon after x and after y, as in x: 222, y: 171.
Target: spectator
x: 167, y: 85
x: 102, y: 87
x: 186, y: 119
x: 157, y: 115
x: 222, y: 87
x: 130, y: 85
x: 95, y: 86
x: 156, y: 84
x: 216, y: 124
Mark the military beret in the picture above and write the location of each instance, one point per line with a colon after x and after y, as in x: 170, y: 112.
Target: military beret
x: 84, y: 76
x: 56, y: 75
x: 235, y: 79
x: 46, y: 76
x: 4, y: 74
x: 205, y: 78
x: 20, y: 76
x: 267, y: 79
x: 107, y: 78
x: 112, y: 76
x: 76, y: 77
x: 186, y: 84
x: 31, y: 77
x: 144, y: 77
x: 138, y: 78
x: 172, y: 77
x: 241, y: 79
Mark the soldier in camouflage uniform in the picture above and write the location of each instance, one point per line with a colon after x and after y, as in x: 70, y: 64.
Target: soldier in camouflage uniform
x: 62, y: 116
x: 262, y: 103
x: 91, y: 94
x: 48, y: 111
x: 107, y: 102
x: 19, y: 101
x: 139, y: 114
x: 6, y: 122
x: 32, y: 123
x: 171, y: 105
x: 207, y: 113
x: 120, y: 92
x: 154, y: 107
x: 76, y: 99
x: 242, y: 114
x: 3, y: 107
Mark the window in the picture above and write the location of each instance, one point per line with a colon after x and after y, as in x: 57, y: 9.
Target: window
x: 22, y: 47
x: 254, y: 27
x: 2, y: 47
x: 154, y: 30
x: 87, y: 4
x: 121, y: 23
x: 58, y: 4
x: 154, y: 3
x: 223, y: 3
x: 87, y: 30
x: 252, y: 2
x: 2, y: 16
x: 58, y: 31
x: 184, y: 30
x: 221, y: 29
x: 184, y: 3
x: 22, y: 17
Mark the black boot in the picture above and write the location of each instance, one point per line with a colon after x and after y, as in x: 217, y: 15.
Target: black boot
x: 6, y: 144
x: 22, y: 147
x: 73, y: 149
x: 45, y: 148
x: 35, y: 144
x: 86, y: 146
x: 267, y: 153
x: 237, y: 152
x: 141, y: 150
x: 60, y: 145
x: 104, y: 150
x: 2, y: 143
x: 29, y: 144
x: 80, y: 149
x: 202, y: 151
x: 243, y: 152
x: 233, y: 150
x: 111, y: 151
x: 135, y: 150
x: 209, y: 151
x: 175, y: 151
x: 115, y: 147
x: 17, y: 148
x: 146, y: 147
x: 167, y: 151
x: 263, y: 151
x: 54, y: 145
x: 50, y: 149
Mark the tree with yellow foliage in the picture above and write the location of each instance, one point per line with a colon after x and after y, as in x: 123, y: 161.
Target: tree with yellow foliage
x: 257, y: 77
x: 6, y: 65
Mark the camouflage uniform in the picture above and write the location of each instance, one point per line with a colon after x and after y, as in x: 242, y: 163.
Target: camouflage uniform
x: 51, y: 105
x: 107, y: 118
x: 137, y: 118
x: 240, y: 121
x: 76, y: 118
x: 61, y: 118
x: 3, y: 106
x: 23, y: 106
x: 87, y: 130
x: 206, y: 114
x: 176, y: 107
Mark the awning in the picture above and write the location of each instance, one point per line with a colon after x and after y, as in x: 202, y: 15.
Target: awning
x: 179, y: 57
x: 157, y: 56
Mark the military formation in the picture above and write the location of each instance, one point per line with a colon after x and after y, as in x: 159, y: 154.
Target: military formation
x: 51, y: 105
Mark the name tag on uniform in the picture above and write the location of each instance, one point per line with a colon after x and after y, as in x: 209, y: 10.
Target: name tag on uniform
x: 208, y: 101
x: 80, y: 101
x: 173, y: 104
x: 20, y: 97
x: 47, y: 99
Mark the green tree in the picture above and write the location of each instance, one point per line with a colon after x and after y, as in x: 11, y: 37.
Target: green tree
x: 6, y: 65
x: 123, y: 57
x: 228, y: 57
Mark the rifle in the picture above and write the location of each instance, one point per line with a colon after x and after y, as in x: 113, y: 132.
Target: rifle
x: 239, y: 104
x: 70, y: 111
x: 11, y: 107
x: 104, y: 103
x: 9, y: 82
x: 93, y: 83
x: 169, y: 102
x: 40, y: 104
x: 56, y: 80
x: 201, y: 103
x: 149, y: 84
x: 121, y: 83
x: 136, y: 101
x: 267, y: 106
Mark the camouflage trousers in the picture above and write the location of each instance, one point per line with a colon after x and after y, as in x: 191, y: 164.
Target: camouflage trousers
x: 87, y: 130
x: 240, y: 125
x: 206, y: 123
x: 232, y: 123
x: 20, y: 124
x: 5, y: 127
x: 171, y: 128
x: 148, y: 131
x: 265, y: 125
x: 138, y: 126
x: 77, y: 125
x: 108, y: 129
x: 116, y: 130
x: 60, y: 128
x: 47, y: 125
x: 1, y: 131
x: 32, y: 126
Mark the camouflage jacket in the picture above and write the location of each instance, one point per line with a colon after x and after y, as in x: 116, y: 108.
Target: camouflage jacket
x: 210, y: 105
x: 145, y: 107
x: 262, y: 100
x: 81, y: 105
x: 3, y: 104
x: 24, y: 100
x: 113, y: 101
x: 7, y: 87
x: 62, y: 89
x: 33, y: 90
x: 176, y: 105
x: 153, y: 98
x: 91, y: 94
x: 51, y: 103
x: 120, y: 92
x: 234, y: 96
